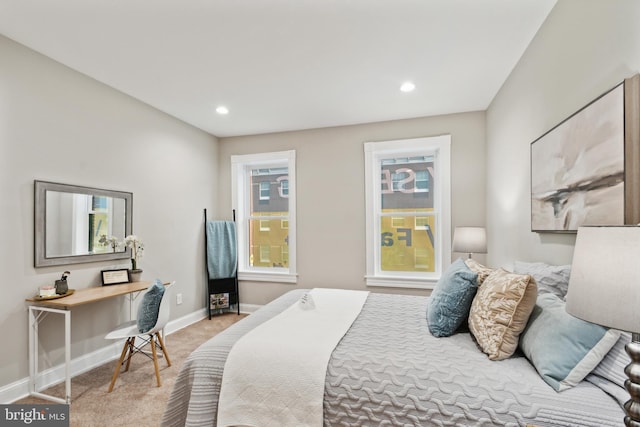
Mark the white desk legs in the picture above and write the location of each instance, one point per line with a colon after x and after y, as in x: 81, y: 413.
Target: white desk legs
x: 36, y: 315
x: 132, y: 297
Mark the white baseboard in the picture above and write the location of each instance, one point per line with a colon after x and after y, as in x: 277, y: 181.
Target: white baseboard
x: 55, y: 375
x: 244, y: 308
x: 248, y: 308
x: 184, y: 321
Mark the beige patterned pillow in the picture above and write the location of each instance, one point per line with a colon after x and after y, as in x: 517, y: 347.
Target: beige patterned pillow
x: 482, y: 271
x: 500, y: 310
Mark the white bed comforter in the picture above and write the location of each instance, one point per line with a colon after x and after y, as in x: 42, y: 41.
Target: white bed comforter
x: 275, y: 374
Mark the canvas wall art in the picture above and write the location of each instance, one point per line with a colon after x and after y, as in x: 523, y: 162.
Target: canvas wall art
x: 578, y: 168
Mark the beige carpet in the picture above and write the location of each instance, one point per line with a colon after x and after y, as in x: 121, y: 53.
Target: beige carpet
x: 135, y: 399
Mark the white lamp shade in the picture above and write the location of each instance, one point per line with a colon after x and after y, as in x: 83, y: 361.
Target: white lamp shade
x: 472, y: 240
x: 604, y: 287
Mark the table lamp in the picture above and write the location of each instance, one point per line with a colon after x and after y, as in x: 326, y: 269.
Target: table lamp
x: 471, y: 240
x: 604, y: 288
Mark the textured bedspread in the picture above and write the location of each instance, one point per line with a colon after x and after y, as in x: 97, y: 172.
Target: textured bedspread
x: 389, y: 371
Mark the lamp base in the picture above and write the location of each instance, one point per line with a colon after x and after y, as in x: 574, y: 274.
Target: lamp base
x: 632, y: 406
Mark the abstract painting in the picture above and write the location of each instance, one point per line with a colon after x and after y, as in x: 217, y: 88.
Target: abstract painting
x: 578, y: 168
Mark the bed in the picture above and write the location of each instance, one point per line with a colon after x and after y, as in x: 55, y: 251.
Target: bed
x: 388, y: 370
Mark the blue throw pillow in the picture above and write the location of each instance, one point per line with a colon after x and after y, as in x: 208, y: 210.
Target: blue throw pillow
x: 563, y: 348
x: 149, y: 307
x: 451, y: 299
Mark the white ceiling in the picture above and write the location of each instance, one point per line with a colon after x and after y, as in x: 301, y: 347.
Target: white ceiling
x: 285, y: 64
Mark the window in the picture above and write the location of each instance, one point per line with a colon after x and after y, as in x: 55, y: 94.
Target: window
x: 422, y: 181
x: 283, y: 189
x: 397, y: 222
x: 408, y: 211
x: 264, y: 190
x: 265, y: 252
x: 422, y: 222
x: 265, y: 217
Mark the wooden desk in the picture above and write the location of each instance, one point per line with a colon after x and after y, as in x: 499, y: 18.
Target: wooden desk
x: 88, y: 295
x: 39, y: 309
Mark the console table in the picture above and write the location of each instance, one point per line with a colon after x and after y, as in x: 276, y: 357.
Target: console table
x: 40, y: 308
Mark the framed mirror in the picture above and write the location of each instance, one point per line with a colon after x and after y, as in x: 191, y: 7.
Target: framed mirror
x: 72, y: 223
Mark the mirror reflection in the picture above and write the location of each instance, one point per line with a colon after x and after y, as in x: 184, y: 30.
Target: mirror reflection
x: 77, y: 224
x: 73, y: 224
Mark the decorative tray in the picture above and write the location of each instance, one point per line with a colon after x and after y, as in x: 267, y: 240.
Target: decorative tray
x: 39, y: 298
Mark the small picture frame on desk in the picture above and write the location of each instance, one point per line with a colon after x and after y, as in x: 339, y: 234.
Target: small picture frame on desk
x: 115, y: 277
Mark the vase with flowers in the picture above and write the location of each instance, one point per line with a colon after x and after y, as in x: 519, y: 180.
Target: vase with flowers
x: 137, y: 248
x: 109, y: 241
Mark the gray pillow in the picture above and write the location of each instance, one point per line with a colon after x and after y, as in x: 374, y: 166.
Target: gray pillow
x: 451, y: 299
x: 150, y: 306
x: 551, y: 279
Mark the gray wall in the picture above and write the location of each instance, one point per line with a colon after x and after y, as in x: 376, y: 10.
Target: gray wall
x: 58, y: 125
x: 584, y: 48
x: 331, y: 201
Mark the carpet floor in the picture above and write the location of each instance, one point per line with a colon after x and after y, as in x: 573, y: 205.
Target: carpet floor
x: 135, y: 400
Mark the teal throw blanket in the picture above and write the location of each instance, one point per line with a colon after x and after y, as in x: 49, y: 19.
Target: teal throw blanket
x: 222, y: 253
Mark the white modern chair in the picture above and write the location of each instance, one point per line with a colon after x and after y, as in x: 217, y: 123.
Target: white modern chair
x: 154, y: 336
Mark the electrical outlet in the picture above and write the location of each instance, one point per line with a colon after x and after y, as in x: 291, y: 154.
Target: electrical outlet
x: 178, y: 299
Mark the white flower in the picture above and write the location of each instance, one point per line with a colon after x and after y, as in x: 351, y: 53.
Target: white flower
x: 136, y: 245
x: 109, y: 241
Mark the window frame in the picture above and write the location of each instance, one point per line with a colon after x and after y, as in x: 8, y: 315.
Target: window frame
x: 241, y: 166
x: 375, y: 152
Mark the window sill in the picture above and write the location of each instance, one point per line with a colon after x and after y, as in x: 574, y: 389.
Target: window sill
x: 253, y: 276
x: 400, y: 282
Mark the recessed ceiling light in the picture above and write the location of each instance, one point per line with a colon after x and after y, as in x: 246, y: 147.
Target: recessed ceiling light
x: 222, y: 110
x: 407, y: 87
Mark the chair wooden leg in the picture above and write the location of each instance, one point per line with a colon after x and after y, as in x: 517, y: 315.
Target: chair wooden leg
x: 155, y: 359
x: 164, y: 349
x: 117, y: 371
x: 131, y: 341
